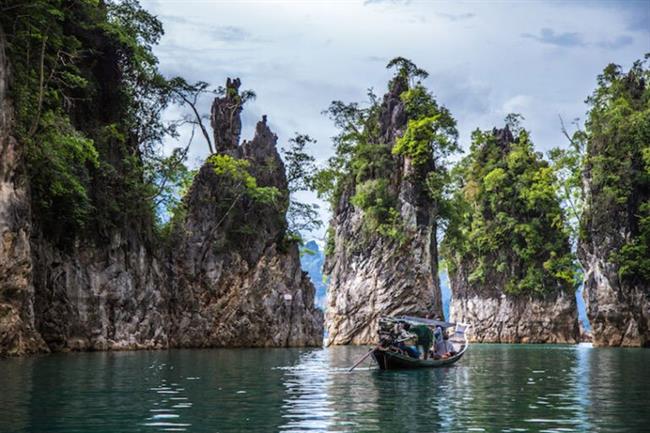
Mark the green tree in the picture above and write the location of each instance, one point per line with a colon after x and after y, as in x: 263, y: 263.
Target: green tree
x: 567, y: 162
x: 507, y: 226
x: 617, y: 164
x: 300, y: 168
x: 88, y: 98
x: 367, y: 163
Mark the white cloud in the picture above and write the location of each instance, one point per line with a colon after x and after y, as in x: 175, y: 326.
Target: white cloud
x: 516, y: 104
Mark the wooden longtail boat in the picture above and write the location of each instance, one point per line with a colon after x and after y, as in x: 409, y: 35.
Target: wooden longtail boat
x: 388, y: 358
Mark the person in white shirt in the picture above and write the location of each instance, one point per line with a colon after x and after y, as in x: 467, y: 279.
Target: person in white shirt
x: 439, y: 346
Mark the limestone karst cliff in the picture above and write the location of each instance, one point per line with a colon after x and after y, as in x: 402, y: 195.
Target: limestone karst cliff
x: 238, y: 280
x: 509, y: 260
x: 80, y: 265
x: 383, y: 257
x: 614, y: 245
x: 17, y: 328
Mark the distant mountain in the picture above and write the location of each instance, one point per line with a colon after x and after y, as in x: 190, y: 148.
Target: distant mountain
x: 311, y: 260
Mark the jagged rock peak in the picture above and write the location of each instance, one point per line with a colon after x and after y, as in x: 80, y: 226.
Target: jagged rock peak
x: 225, y: 117
x: 238, y: 280
x: 503, y: 137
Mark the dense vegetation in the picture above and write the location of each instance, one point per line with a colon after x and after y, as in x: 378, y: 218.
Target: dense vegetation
x: 300, y: 169
x: 617, y: 159
x: 508, y: 226
x: 88, y: 97
x: 367, y: 163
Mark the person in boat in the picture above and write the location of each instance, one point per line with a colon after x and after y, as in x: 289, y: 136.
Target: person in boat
x: 425, y: 338
x: 446, y: 349
x: 407, y: 340
x: 451, y: 350
x: 439, y: 346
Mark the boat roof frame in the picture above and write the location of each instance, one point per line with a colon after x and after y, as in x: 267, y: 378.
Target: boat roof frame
x: 413, y: 320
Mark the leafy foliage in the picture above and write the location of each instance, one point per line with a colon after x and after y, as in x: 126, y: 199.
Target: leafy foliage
x: 63, y: 164
x: 567, y: 164
x: 88, y: 98
x: 507, y: 225
x: 618, y: 145
x: 300, y: 167
x: 431, y: 133
x: 365, y: 164
x: 237, y: 170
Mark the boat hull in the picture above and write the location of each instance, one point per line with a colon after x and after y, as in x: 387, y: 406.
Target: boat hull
x: 388, y: 360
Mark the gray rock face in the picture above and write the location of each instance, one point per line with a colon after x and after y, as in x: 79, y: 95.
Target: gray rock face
x: 382, y: 278
x: 499, y: 318
x: 238, y: 281
x: 619, y: 314
x: 17, y: 331
x: 112, y: 297
x: 517, y: 319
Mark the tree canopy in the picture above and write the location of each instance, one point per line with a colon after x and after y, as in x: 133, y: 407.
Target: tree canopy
x: 507, y: 226
x: 367, y: 162
x: 618, y: 163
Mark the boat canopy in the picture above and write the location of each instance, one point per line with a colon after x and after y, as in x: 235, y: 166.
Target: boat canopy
x: 421, y: 321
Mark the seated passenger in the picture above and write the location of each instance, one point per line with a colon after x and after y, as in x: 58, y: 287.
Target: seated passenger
x: 439, y: 346
x: 425, y: 338
x: 407, y: 340
x: 451, y: 350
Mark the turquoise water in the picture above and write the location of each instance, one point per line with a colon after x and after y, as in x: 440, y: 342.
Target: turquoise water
x: 495, y: 388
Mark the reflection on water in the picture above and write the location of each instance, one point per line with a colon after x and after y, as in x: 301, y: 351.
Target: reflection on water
x: 495, y: 388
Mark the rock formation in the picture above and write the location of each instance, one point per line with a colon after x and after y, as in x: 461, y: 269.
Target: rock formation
x: 482, y: 283
x: 372, y: 275
x: 238, y: 279
x: 498, y: 318
x: 17, y: 329
x: 110, y: 297
x: 232, y: 278
x: 619, y: 313
x: 616, y: 187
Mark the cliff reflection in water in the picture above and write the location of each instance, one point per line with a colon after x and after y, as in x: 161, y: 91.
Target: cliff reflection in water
x: 500, y: 388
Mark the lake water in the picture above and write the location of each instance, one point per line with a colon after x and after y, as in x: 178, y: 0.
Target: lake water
x: 495, y: 388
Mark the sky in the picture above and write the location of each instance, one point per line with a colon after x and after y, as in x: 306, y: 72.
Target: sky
x: 485, y: 59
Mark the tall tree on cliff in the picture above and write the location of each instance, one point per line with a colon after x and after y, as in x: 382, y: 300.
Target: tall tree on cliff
x: 507, y: 246
x: 385, y: 184
x: 614, y: 244
x: 89, y: 98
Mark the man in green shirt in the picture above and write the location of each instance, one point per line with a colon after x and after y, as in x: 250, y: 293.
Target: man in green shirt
x: 425, y: 338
